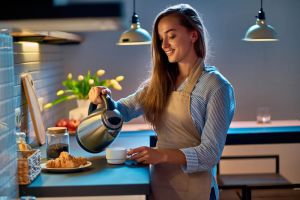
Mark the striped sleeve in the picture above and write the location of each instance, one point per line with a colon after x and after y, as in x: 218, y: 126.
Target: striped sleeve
x: 129, y: 107
x: 218, y: 116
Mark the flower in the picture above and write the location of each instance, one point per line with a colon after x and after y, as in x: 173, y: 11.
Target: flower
x: 100, y: 72
x: 91, y: 81
x: 79, y: 89
x: 115, y: 84
x: 119, y: 78
x: 80, y: 77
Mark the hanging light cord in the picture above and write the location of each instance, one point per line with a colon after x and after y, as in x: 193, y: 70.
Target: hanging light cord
x: 135, y: 18
x: 261, y: 13
x: 134, y: 7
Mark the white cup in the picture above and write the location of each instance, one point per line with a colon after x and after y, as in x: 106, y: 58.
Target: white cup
x: 116, y: 155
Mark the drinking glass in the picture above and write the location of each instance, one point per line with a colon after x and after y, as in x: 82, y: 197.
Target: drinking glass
x: 263, y: 115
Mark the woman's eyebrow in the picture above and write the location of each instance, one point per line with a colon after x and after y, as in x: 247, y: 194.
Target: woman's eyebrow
x: 167, y: 31
x: 172, y: 29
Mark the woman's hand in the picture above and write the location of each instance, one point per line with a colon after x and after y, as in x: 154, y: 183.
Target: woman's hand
x: 96, y: 92
x: 147, y: 155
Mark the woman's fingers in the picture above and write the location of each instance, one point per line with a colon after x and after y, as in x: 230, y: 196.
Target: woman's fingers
x: 94, y: 95
x: 106, y: 91
x: 96, y: 92
x: 142, y: 157
x: 145, y: 155
x: 140, y: 154
x: 136, y: 150
x: 137, y: 156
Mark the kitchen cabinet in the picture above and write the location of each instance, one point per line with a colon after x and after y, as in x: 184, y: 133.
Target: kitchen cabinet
x: 46, y: 37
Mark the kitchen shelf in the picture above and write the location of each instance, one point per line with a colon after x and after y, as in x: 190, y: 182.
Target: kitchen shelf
x: 46, y: 37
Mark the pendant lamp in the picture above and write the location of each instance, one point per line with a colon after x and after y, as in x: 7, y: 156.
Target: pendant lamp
x: 135, y: 35
x: 261, y: 31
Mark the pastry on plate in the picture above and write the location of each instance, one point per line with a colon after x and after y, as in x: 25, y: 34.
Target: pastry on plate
x: 65, y: 160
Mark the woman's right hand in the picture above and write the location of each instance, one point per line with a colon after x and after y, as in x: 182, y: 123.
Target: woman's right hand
x: 96, y: 92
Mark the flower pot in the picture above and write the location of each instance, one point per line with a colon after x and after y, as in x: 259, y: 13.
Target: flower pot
x: 83, y: 103
x: 81, y: 111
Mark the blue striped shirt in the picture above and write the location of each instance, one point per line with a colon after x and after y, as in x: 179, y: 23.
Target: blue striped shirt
x: 212, y: 109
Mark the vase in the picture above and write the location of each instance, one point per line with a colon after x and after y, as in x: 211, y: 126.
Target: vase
x: 81, y: 111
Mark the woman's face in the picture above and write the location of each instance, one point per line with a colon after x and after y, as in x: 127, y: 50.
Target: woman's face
x: 176, y: 40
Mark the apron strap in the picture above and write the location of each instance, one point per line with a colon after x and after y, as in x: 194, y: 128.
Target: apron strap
x: 194, y: 76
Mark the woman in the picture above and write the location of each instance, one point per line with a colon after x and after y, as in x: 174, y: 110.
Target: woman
x: 189, y: 105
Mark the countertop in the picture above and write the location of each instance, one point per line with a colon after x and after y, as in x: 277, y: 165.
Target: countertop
x: 132, y: 179
x: 233, y: 126
x: 246, y: 132
x: 100, y: 179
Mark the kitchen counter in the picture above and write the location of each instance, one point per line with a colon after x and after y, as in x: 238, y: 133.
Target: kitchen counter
x: 275, y: 132
x: 246, y: 132
x: 130, y: 179
x: 98, y: 180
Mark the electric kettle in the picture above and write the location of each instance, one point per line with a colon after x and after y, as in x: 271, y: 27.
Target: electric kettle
x: 100, y: 127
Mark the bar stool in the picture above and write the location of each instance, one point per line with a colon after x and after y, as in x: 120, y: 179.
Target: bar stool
x: 244, y: 183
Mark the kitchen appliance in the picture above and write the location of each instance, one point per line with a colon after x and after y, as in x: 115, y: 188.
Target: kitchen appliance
x: 100, y: 127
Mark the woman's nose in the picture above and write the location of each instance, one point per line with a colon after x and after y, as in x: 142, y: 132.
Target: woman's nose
x: 165, y: 44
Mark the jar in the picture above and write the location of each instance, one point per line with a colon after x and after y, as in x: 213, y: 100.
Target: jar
x: 21, y: 141
x: 57, y: 141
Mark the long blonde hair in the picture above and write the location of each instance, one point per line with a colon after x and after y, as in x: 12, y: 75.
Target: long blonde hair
x: 157, y: 89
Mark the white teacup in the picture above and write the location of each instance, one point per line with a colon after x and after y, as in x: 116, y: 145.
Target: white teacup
x: 116, y: 155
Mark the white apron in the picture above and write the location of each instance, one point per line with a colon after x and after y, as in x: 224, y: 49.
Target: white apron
x: 177, y: 130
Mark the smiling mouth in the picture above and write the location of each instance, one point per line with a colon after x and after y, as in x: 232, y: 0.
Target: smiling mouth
x: 169, y: 52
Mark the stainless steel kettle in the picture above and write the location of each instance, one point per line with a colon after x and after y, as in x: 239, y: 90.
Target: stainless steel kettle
x: 100, y: 127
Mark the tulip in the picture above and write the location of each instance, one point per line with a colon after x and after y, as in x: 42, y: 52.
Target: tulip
x: 91, y: 81
x: 115, y: 84
x: 120, y: 78
x: 69, y: 76
x: 80, y: 78
x: 71, y: 97
x: 60, y: 92
x: 100, y: 72
x: 48, y: 105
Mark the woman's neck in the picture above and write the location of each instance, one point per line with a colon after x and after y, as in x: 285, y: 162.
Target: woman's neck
x: 185, y: 68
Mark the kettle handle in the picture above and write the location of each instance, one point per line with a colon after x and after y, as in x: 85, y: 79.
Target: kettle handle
x: 108, y: 104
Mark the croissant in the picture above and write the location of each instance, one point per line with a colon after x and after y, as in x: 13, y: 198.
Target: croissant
x: 65, y: 160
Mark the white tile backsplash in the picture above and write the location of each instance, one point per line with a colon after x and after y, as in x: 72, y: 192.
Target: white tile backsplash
x: 7, y: 141
x: 25, y: 57
x: 6, y: 75
x: 6, y: 92
x: 36, y: 66
x: 44, y: 63
x: 6, y: 105
x: 8, y: 150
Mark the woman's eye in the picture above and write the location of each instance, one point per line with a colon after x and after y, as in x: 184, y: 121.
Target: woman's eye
x: 172, y: 36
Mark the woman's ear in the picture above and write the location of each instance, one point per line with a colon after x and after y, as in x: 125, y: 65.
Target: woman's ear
x: 194, y: 36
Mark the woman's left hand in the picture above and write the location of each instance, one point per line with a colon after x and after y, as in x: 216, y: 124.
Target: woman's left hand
x: 147, y: 155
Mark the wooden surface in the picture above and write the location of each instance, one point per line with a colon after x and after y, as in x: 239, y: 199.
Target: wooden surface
x: 34, y: 108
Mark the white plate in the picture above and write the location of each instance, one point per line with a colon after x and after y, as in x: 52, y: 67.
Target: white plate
x: 44, y: 168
